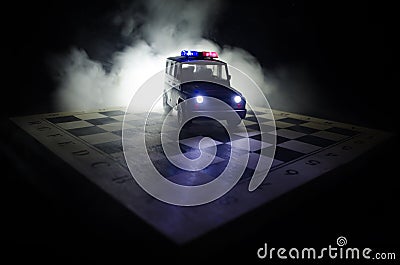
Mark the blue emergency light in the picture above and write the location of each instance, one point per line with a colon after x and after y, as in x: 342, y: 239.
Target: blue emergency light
x: 199, y: 54
x: 189, y: 53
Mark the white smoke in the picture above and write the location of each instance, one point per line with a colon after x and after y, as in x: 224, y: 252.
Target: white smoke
x: 164, y: 29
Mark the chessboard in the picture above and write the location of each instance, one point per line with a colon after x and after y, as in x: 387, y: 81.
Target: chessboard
x: 306, y: 148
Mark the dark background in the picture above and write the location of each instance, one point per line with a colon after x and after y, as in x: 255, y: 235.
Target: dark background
x: 348, y: 50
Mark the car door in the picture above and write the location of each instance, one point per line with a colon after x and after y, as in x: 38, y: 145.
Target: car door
x: 169, y: 83
x: 175, y: 83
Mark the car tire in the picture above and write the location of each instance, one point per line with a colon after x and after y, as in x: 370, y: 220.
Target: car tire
x: 181, y: 116
x: 167, y: 108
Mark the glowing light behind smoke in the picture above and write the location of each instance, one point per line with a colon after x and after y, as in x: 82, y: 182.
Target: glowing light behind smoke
x: 168, y: 29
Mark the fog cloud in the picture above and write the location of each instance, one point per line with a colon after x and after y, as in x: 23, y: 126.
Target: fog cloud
x: 155, y: 31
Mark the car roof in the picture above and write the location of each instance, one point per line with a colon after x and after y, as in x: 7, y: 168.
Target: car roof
x: 186, y: 59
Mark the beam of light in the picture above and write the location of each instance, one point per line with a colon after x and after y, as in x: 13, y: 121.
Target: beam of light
x: 199, y: 99
x: 237, y: 99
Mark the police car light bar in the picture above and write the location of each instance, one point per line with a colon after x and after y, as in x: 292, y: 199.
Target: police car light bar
x: 189, y: 53
x: 199, y: 54
x: 210, y: 54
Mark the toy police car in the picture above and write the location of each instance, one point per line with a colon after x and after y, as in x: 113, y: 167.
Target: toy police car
x: 192, y: 82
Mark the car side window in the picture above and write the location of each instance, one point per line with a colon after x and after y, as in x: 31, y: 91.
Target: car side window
x: 224, y: 71
x: 171, y: 69
x: 176, y: 68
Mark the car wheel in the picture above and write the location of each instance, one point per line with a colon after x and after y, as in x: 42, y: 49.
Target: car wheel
x: 181, y: 116
x: 167, y: 108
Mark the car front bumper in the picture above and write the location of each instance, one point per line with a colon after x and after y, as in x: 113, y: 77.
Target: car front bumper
x: 218, y: 114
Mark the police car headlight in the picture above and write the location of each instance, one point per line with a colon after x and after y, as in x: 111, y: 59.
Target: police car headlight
x: 237, y: 99
x: 199, y: 99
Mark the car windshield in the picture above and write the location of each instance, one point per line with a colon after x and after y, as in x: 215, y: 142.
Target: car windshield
x: 204, y: 71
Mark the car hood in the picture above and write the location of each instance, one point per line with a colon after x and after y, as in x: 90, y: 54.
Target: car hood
x: 208, y: 89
